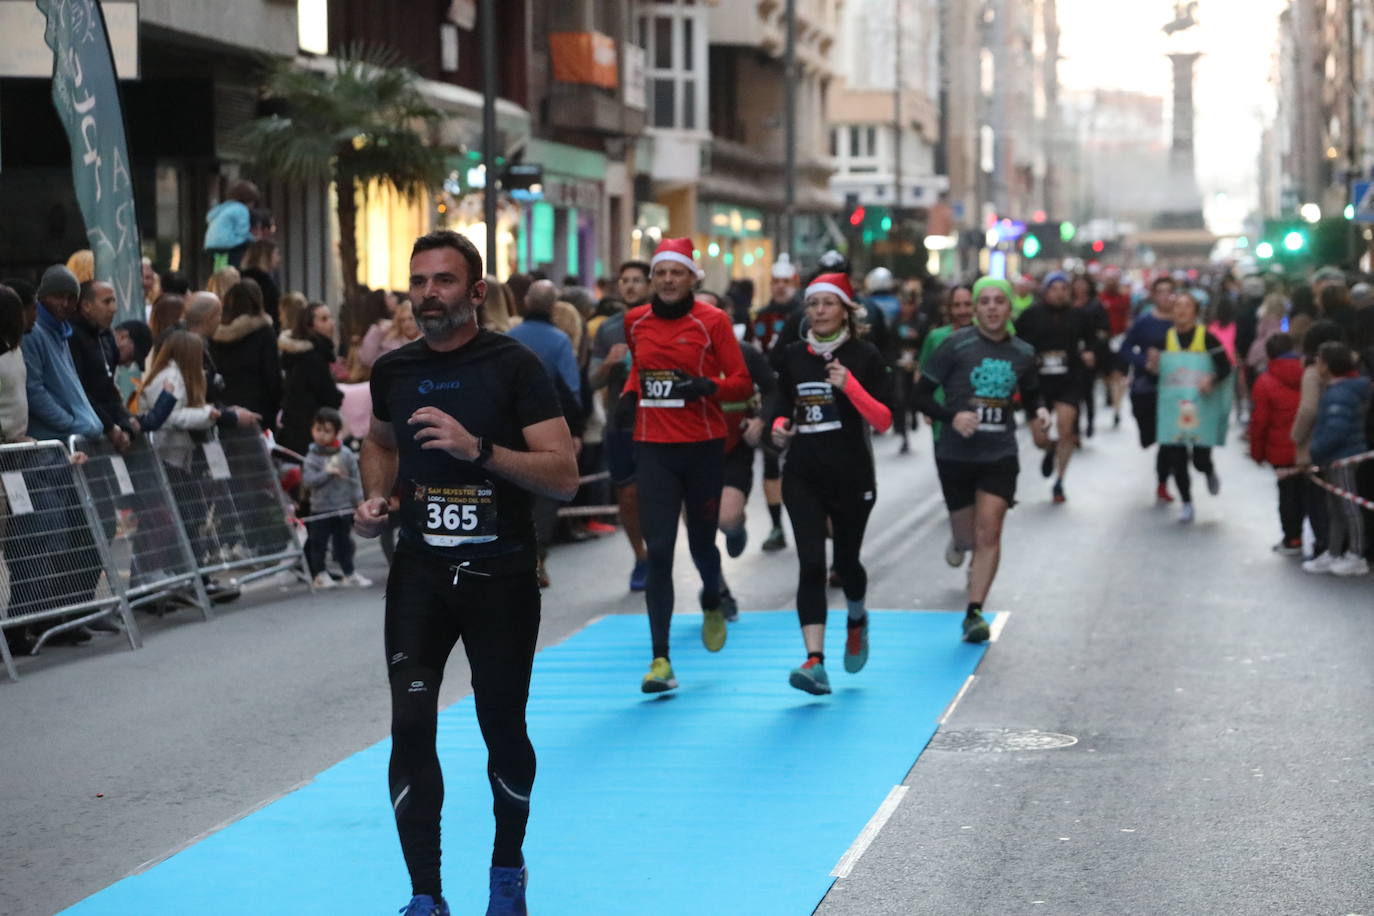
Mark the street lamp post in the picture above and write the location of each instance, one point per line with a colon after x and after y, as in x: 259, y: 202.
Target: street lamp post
x: 490, y: 191
x: 789, y: 215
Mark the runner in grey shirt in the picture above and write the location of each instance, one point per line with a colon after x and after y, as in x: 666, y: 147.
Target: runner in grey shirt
x: 980, y: 368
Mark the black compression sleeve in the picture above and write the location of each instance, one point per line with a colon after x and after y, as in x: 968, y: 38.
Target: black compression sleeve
x: 923, y: 399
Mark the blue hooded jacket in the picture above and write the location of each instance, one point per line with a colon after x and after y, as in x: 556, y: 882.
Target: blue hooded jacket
x: 58, y: 406
x: 1340, y: 428
x: 228, y: 225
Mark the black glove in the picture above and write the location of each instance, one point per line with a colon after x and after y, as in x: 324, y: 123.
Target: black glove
x: 691, y: 388
x: 624, y: 412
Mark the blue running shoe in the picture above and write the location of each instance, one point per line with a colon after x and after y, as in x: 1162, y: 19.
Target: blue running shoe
x: 736, y: 541
x: 424, y: 905
x: 639, y: 578
x: 508, y: 891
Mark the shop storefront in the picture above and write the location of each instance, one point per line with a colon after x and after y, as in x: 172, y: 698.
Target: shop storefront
x: 562, y: 224
x: 735, y: 243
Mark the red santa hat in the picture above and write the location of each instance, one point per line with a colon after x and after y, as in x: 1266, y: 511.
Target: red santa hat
x: 832, y: 283
x: 678, y: 250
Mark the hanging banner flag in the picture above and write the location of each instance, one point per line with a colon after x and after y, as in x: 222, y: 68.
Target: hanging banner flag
x: 87, y: 101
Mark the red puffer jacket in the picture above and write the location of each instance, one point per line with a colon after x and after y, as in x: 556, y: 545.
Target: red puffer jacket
x: 1276, y: 395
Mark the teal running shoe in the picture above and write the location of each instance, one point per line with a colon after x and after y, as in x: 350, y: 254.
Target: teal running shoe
x: 856, y: 646
x: 810, y: 677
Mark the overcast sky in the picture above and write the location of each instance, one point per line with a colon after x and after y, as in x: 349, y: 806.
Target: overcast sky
x: 1119, y: 44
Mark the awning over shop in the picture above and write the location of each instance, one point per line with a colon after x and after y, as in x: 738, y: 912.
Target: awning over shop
x: 464, y: 128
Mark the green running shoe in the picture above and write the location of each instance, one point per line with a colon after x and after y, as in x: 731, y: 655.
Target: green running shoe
x: 660, y: 677
x: 810, y: 677
x: 856, y: 646
x: 713, y: 630
x: 976, y: 628
x: 775, y: 541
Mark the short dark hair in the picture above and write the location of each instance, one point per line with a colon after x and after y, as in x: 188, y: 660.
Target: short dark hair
x: 11, y: 320
x: 1158, y: 280
x: 174, y: 283
x: 1339, y: 358
x: 330, y: 416
x: 1321, y: 332
x: 447, y: 238
x: 1278, y: 344
x: 87, y: 291
x: 24, y: 289
x: 641, y: 266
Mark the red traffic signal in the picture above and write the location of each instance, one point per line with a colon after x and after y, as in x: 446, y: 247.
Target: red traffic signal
x: 1099, y: 246
x: 857, y: 217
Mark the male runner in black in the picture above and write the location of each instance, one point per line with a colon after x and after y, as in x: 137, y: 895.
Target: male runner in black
x: 468, y: 423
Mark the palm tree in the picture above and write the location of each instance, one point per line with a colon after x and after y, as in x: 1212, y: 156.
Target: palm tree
x: 364, y: 121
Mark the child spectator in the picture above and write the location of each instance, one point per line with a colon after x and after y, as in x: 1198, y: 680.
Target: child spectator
x: 1275, y: 404
x: 1340, y: 433
x: 331, y: 474
x: 228, y: 227
x: 180, y: 363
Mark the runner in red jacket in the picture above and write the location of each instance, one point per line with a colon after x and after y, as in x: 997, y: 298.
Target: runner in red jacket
x: 685, y: 362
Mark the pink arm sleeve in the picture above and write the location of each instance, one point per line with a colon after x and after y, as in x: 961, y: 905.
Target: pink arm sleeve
x: 869, y: 407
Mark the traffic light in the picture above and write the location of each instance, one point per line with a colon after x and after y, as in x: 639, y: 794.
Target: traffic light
x: 1099, y: 246
x: 856, y: 216
x: 1030, y: 245
x: 1294, y: 240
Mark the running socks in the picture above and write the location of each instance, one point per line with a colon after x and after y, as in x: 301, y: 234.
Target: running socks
x: 775, y: 513
x: 857, y: 611
x: 818, y: 656
x: 974, y: 607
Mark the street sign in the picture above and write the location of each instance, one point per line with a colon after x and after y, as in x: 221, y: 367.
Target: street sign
x: 1362, y: 198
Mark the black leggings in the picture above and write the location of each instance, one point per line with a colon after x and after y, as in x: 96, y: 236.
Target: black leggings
x: 809, y: 504
x: 498, y: 621
x: 674, y: 477
x: 1175, y: 459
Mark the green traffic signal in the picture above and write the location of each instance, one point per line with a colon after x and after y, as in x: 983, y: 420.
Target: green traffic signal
x: 1067, y: 231
x: 1294, y: 240
x: 1031, y: 247
x: 1264, y: 251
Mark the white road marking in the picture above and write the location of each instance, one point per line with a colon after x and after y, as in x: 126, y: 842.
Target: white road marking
x: 869, y: 833
x: 949, y: 710
x: 999, y: 621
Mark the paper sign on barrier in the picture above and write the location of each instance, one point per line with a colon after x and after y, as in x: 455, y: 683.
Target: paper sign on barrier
x: 215, y: 460
x: 1186, y: 415
x: 121, y: 472
x: 18, y: 492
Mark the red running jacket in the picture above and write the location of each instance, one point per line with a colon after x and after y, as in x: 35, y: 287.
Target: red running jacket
x: 701, y: 344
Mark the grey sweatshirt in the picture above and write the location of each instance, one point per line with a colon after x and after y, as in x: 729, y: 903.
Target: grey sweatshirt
x: 328, y: 492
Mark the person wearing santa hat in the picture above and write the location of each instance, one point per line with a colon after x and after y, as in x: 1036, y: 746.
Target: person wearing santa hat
x: 685, y: 360
x: 830, y: 392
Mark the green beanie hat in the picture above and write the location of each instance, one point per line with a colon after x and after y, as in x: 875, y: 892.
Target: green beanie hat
x: 993, y: 283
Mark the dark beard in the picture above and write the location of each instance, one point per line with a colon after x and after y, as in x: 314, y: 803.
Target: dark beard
x: 454, y: 318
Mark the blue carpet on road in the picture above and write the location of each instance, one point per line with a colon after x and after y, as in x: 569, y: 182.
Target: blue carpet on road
x: 735, y: 794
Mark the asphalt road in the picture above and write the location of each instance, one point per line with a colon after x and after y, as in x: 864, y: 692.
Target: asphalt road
x: 1220, y: 698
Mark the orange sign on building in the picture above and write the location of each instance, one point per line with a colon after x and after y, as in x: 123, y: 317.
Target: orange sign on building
x: 584, y: 57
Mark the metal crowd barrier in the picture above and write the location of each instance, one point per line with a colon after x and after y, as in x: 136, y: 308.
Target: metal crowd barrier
x: 55, y: 566
x: 235, y: 514
x: 140, y: 522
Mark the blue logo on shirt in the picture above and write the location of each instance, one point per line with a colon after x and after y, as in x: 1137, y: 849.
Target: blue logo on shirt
x: 994, y: 378
x: 430, y: 384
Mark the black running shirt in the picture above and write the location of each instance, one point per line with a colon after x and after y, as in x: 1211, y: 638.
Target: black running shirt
x: 980, y: 374
x: 831, y: 441
x: 495, y: 387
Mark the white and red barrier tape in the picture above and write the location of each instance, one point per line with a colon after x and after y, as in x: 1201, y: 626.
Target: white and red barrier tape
x: 1343, y: 494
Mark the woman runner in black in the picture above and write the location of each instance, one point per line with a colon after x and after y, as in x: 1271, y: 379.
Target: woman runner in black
x: 831, y: 388
x: 469, y: 425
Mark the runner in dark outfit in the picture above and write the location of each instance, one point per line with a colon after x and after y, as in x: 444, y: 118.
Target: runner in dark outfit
x: 468, y: 423
x: 685, y: 360
x: 744, y: 428
x: 1063, y: 337
x: 980, y: 369
x: 831, y: 390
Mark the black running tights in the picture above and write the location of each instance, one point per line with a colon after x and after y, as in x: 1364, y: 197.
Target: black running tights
x: 679, y: 480
x: 808, y: 506
x: 498, y: 622
x: 1175, y: 458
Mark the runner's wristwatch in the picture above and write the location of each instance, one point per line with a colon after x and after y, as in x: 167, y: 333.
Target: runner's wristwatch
x: 484, y: 448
